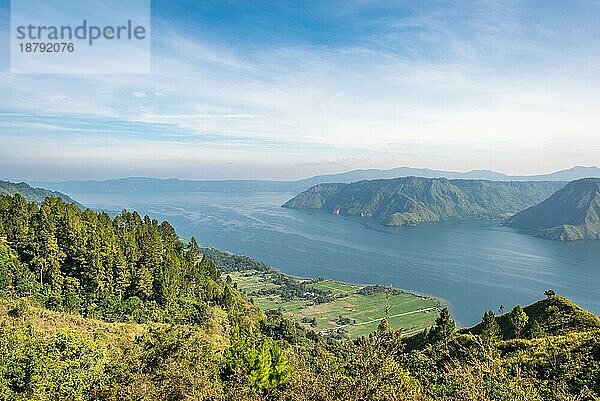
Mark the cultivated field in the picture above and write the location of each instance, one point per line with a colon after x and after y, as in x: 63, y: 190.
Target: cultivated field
x: 348, y: 309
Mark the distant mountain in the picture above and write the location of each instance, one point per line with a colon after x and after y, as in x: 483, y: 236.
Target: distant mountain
x: 144, y: 184
x: 36, y: 195
x: 415, y: 200
x: 574, y: 173
x: 572, y: 213
x: 374, y: 174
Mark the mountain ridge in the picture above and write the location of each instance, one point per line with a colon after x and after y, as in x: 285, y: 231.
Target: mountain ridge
x: 33, y: 194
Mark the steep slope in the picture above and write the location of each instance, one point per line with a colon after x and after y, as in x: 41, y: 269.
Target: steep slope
x: 572, y: 213
x: 32, y: 194
x: 414, y: 200
x: 506, y: 197
x: 400, y: 201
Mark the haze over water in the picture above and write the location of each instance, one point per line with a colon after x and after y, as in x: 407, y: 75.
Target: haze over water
x: 473, y: 265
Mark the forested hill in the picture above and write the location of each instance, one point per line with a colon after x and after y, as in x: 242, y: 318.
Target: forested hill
x: 97, y: 308
x: 32, y: 194
x: 129, y: 268
x: 573, y: 213
x: 414, y: 200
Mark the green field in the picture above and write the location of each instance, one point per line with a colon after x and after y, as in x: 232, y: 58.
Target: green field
x: 336, y: 287
x: 357, y: 314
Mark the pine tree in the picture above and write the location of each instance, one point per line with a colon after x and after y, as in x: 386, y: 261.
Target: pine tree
x: 48, y: 255
x: 444, y: 327
x: 536, y: 331
x: 17, y: 217
x: 151, y: 259
x: 518, y: 318
x: 192, y: 252
x: 490, y: 330
x: 167, y: 280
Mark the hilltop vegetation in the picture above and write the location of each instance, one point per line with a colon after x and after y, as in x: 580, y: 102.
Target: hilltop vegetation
x: 126, y: 268
x: 573, y: 213
x: 553, y: 316
x: 94, y: 308
x: 415, y: 200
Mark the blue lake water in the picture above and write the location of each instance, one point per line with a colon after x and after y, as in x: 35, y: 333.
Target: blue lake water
x: 473, y: 265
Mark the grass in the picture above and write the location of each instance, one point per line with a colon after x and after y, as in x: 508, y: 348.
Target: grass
x: 361, y: 314
x: 50, y: 322
x: 249, y: 282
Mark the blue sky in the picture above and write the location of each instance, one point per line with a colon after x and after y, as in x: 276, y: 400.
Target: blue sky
x: 286, y: 89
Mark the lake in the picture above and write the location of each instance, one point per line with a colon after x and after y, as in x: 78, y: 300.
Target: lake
x: 473, y: 265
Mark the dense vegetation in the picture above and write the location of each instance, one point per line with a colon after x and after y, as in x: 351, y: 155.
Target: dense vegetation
x: 124, y: 269
x: 572, y: 213
x: 100, y: 308
x: 415, y: 200
x: 228, y: 262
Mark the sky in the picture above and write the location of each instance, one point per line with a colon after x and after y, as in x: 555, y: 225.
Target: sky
x: 291, y: 89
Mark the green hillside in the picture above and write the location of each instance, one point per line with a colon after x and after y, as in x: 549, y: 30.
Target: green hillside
x: 32, y: 194
x: 554, y: 316
x: 572, y: 213
x: 415, y: 200
x: 126, y: 268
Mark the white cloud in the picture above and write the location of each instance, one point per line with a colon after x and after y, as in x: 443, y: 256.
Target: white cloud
x: 382, y: 101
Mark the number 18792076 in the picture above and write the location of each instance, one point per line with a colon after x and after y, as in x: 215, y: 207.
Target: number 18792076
x: 43, y: 47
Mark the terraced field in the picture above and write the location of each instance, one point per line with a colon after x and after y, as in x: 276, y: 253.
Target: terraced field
x: 351, y: 310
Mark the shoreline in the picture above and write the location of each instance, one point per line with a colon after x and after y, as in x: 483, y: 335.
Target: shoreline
x: 327, y: 306
x: 274, y: 269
